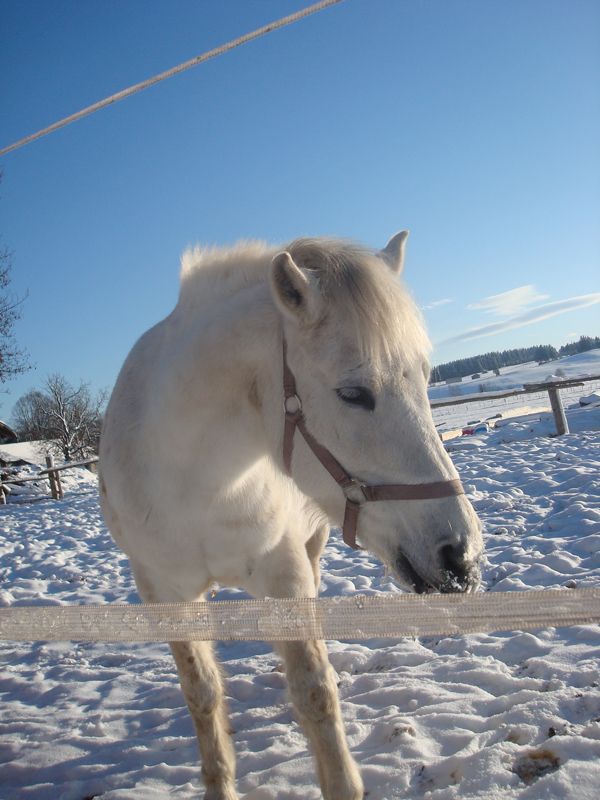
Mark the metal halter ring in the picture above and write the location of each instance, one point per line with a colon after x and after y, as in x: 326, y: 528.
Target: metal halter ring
x: 355, y: 491
x: 292, y: 411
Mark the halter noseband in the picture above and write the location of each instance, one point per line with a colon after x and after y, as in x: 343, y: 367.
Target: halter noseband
x: 355, y: 491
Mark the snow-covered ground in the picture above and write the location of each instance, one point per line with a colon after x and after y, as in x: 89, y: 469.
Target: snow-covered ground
x: 504, y: 715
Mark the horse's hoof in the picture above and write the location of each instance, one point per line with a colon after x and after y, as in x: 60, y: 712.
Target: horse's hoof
x: 224, y: 793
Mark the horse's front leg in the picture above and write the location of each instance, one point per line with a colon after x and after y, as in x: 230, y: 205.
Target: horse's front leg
x: 314, y: 549
x: 202, y: 687
x: 288, y: 572
x: 314, y: 693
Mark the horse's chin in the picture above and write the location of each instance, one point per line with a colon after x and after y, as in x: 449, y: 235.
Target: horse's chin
x: 408, y: 576
x: 448, y: 582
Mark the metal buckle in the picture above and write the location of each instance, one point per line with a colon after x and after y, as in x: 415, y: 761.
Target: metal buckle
x: 354, y: 491
x: 290, y: 412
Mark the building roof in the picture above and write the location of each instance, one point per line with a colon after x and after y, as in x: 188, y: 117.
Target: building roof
x: 29, y: 452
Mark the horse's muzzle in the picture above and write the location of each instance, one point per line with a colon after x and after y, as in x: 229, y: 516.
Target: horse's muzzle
x: 455, y: 573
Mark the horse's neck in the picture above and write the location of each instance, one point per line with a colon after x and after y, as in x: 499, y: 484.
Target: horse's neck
x: 240, y: 383
x: 258, y: 342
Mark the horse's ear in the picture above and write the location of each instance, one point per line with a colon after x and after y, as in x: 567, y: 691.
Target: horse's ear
x: 291, y: 289
x: 393, y: 252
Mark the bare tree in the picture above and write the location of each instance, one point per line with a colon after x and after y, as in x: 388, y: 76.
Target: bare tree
x: 68, y: 418
x: 13, y: 359
x: 28, y: 416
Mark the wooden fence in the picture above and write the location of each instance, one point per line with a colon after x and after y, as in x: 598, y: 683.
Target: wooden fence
x: 551, y: 387
x: 51, y: 473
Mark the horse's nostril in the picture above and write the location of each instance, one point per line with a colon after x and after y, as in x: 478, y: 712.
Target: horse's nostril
x: 458, y: 574
x: 452, y: 558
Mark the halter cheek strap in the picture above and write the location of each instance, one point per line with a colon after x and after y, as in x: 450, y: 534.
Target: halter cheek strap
x: 356, y: 493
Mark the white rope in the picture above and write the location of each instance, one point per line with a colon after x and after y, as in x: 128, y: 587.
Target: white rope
x: 356, y: 617
x: 193, y: 62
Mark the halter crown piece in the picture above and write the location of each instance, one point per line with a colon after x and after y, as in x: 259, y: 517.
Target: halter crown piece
x: 355, y: 491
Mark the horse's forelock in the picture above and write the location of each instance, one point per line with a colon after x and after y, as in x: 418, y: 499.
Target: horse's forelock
x: 355, y: 284
x: 358, y: 286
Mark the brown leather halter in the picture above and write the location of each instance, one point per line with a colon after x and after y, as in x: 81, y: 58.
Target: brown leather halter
x: 355, y: 491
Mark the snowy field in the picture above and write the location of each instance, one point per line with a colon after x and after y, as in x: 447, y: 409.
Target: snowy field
x: 583, y: 365
x: 504, y: 715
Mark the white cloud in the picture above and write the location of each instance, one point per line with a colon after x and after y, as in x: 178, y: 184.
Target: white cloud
x: 437, y: 303
x: 527, y: 318
x: 508, y: 303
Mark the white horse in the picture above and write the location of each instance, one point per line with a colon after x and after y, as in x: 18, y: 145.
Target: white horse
x: 213, y: 471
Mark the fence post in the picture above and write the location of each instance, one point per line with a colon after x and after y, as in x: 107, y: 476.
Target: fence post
x: 59, y: 488
x: 53, y: 479
x: 560, y: 420
x: 49, y: 465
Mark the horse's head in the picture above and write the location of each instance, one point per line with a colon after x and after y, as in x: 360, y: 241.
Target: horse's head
x: 358, y: 351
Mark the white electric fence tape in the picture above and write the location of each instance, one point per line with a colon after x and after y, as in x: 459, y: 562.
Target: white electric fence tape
x: 193, y: 62
x: 356, y: 617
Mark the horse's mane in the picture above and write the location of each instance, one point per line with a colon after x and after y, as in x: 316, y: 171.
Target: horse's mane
x: 210, y: 273
x: 350, y: 277
x: 354, y: 280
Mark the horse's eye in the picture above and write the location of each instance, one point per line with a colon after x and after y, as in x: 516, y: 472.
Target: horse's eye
x: 357, y: 396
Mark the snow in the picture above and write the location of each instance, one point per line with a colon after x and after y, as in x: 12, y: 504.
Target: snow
x: 590, y: 399
x: 504, y: 715
x: 32, y: 452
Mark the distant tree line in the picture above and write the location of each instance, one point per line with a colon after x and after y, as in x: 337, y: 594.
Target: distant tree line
x: 581, y: 346
x: 509, y: 358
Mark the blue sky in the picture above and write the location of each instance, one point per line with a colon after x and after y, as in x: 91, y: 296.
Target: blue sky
x: 475, y: 124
